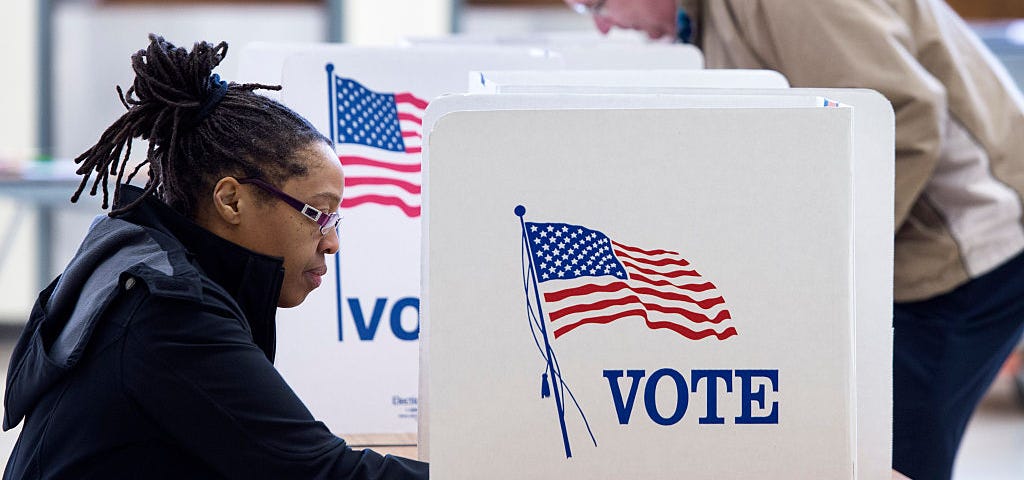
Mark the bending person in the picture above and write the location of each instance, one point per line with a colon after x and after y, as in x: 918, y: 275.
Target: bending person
x: 959, y: 266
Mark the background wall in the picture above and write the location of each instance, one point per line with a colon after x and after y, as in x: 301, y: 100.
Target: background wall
x: 93, y: 43
x: 384, y: 22
x: 18, y: 35
x: 989, y: 8
x: 18, y: 30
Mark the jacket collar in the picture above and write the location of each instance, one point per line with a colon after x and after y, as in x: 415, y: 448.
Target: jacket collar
x: 252, y: 279
x: 694, y: 9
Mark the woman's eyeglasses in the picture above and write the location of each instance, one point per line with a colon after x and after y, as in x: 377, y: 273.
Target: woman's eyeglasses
x: 327, y: 221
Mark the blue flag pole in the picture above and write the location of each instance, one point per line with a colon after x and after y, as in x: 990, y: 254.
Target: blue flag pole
x: 549, y: 353
x: 332, y: 108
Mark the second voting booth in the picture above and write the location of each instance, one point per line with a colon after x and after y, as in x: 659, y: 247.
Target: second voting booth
x: 624, y: 286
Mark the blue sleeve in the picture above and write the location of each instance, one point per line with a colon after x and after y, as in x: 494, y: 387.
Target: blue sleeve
x: 195, y: 371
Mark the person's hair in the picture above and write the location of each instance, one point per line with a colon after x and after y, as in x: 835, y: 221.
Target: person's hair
x: 191, y: 147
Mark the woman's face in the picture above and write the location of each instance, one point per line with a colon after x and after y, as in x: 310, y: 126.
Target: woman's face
x: 272, y: 227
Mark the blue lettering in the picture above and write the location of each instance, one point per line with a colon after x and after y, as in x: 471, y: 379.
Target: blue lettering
x: 365, y: 330
x: 396, y: 319
x: 762, y: 413
x: 623, y: 409
x: 711, y: 417
x: 682, y: 397
x: 749, y: 397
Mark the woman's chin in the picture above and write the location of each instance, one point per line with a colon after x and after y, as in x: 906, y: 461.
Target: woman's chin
x: 291, y: 299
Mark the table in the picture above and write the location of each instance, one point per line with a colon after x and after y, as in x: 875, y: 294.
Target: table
x: 46, y: 187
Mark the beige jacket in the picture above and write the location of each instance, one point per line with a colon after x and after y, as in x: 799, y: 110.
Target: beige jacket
x: 959, y: 120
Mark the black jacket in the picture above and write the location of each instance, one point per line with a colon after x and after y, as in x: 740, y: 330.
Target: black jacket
x: 151, y: 357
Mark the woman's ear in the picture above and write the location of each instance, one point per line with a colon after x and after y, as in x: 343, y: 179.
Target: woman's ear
x: 227, y: 194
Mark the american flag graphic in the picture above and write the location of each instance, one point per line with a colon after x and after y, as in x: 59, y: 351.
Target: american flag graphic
x: 379, y: 139
x: 830, y: 103
x: 586, y: 278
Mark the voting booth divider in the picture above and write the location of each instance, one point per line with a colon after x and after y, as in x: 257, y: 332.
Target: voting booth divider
x: 351, y: 349
x: 512, y: 81
x: 622, y: 49
x: 627, y: 56
x: 552, y: 38
x: 689, y: 284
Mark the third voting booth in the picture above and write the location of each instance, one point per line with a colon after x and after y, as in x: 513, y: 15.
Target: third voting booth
x: 650, y: 286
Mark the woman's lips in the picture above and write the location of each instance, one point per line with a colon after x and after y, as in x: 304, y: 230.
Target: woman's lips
x: 314, y: 275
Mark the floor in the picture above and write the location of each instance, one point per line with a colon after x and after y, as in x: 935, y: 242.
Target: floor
x: 992, y: 448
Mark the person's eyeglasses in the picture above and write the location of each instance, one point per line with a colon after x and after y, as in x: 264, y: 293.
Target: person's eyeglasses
x: 327, y: 221
x: 594, y: 8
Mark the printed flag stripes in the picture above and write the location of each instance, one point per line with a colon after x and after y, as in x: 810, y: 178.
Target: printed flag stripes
x: 378, y: 137
x: 585, y: 278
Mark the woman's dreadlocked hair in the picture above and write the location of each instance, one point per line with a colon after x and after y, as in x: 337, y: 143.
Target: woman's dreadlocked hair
x: 191, y: 147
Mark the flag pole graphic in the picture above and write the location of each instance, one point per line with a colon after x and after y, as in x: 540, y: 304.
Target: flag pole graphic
x: 332, y: 110
x: 549, y: 354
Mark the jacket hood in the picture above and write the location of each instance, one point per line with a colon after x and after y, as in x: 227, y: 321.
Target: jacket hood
x: 152, y: 244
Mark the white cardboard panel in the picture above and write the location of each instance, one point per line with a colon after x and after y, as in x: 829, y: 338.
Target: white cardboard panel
x: 351, y: 349
x: 263, y: 62
x: 691, y: 188
x: 543, y: 81
x: 588, y: 50
x: 539, y: 39
x: 873, y: 190
x: 633, y: 57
